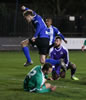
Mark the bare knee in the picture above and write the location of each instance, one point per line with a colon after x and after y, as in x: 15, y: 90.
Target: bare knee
x: 72, y: 66
x: 24, y: 43
x: 42, y: 59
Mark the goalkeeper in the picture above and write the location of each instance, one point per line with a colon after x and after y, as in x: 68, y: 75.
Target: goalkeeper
x: 60, y: 52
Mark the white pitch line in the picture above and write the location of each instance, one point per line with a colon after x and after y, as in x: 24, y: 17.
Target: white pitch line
x: 58, y: 86
x: 74, y: 88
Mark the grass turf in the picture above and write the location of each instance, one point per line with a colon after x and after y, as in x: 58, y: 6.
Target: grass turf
x: 12, y: 73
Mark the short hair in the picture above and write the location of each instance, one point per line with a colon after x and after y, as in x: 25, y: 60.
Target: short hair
x: 58, y: 37
x: 27, y: 12
x: 46, y: 66
x: 49, y: 19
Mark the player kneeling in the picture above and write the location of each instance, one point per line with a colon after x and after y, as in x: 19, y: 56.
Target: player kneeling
x: 59, y: 52
x: 62, y: 73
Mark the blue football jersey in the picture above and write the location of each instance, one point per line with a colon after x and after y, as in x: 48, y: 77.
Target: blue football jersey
x: 40, y: 26
x: 53, y: 31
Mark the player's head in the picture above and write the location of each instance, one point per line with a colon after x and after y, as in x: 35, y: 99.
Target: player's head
x: 47, y: 68
x: 28, y: 15
x: 48, y: 22
x: 58, y: 41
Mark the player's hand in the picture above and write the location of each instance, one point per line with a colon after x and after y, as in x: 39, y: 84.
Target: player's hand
x: 53, y: 88
x: 23, y: 7
x: 83, y: 48
x: 33, y: 39
x: 45, y: 80
x: 50, y: 78
x: 65, y: 41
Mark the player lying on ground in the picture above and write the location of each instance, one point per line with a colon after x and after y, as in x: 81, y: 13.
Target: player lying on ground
x: 60, y: 52
x: 41, y: 37
x: 35, y: 81
x: 84, y: 44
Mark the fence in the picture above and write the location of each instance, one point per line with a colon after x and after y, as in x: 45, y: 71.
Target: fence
x: 12, y: 23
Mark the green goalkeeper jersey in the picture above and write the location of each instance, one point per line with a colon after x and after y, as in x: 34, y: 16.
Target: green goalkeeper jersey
x: 35, y: 81
x: 85, y: 42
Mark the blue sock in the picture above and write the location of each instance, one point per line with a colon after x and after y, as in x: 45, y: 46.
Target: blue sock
x: 26, y: 53
x: 52, y: 61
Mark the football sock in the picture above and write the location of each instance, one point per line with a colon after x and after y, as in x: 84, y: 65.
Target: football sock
x: 52, y: 61
x: 73, y: 71
x: 26, y: 53
x: 58, y: 69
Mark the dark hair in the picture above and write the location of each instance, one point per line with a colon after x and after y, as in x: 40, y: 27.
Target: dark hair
x: 26, y: 13
x: 48, y: 19
x: 58, y: 37
x: 46, y: 66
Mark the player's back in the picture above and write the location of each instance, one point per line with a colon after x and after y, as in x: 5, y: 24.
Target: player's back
x: 34, y: 75
x: 39, y: 23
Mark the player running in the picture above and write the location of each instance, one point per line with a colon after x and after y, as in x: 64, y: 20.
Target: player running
x: 60, y: 52
x: 35, y: 81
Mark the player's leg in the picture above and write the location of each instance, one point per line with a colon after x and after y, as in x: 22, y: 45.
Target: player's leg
x: 42, y: 59
x: 25, y: 49
x: 73, y: 70
x: 43, y: 46
x: 55, y: 76
x: 48, y: 85
x: 43, y: 53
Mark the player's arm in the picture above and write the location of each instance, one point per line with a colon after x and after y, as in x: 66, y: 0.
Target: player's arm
x: 37, y: 29
x: 66, y: 57
x: 60, y: 34
x: 25, y: 9
x: 52, y: 55
x: 41, y: 89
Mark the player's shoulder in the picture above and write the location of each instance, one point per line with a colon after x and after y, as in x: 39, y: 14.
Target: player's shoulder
x: 37, y: 67
x: 55, y: 28
x: 64, y: 48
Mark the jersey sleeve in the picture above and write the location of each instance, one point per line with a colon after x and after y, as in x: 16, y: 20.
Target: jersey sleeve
x: 66, y: 58
x: 52, y: 55
x: 85, y: 43
x: 37, y: 29
x: 40, y: 89
x: 59, y: 33
x: 32, y: 11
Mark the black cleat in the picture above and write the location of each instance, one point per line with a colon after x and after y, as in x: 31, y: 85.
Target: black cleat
x: 28, y: 63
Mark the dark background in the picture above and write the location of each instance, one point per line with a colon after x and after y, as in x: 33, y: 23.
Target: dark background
x: 12, y: 23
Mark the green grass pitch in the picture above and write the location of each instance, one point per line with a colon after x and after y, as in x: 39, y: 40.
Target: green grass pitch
x: 12, y: 73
